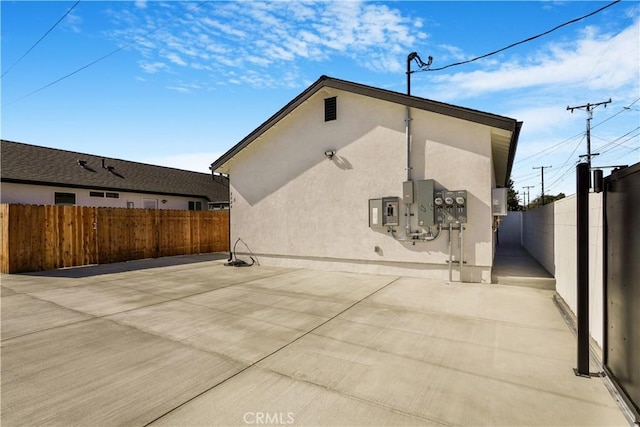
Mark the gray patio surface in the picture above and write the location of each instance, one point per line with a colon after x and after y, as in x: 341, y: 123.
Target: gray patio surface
x: 188, y: 341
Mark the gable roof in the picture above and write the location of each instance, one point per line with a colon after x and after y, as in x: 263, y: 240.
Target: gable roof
x: 32, y: 164
x: 503, y: 143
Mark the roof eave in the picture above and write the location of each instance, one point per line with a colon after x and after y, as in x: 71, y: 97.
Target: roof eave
x: 475, y: 116
x: 512, y: 151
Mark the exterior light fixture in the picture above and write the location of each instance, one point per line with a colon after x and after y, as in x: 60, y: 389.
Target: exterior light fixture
x: 329, y: 154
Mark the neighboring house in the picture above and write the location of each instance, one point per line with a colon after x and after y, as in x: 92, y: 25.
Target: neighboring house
x: 321, y: 184
x: 46, y: 176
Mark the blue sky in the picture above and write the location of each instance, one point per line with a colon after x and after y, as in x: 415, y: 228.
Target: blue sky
x: 182, y: 82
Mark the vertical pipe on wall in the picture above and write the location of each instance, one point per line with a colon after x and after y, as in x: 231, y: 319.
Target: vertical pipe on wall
x: 450, y: 260
x: 407, y: 129
x: 461, y: 250
x: 408, y: 137
x: 582, y: 230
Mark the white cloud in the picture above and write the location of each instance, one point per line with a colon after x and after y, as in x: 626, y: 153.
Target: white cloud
x: 257, y: 35
x: 596, y: 61
x: 175, y: 58
x: 153, y: 67
x: 141, y: 4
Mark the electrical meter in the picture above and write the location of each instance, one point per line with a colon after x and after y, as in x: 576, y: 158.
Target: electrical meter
x: 450, y: 207
x: 438, y: 207
x: 461, y: 207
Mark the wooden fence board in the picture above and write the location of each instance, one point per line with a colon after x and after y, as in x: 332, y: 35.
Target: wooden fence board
x: 37, y: 238
x: 4, y: 237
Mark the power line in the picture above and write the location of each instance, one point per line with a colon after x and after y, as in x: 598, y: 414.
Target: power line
x: 615, y: 142
x: 84, y: 67
x: 40, y: 39
x: 551, y: 148
x: 524, y: 41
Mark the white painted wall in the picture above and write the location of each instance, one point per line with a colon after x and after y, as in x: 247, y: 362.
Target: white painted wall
x: 510, y: 230
x: 44, y: 195
x: 550, y: 237
x: 293, y: 206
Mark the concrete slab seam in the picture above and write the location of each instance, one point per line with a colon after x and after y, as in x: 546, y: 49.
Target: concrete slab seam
x: 92, y: 317
x: 251, y: 317
x: 462, y: 371
x: 405, y: 331
x: 273, y: 352
x: 359, y: 398
x: 459, y: 316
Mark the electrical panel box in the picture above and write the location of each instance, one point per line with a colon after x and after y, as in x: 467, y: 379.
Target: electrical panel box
x: 407, y: 192
x: 391, y: 211
x: 499, y: 201
x: 384, y: 212
x: 424, y: 200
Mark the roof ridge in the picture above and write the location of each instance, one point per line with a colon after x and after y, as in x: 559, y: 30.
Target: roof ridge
x: 97, y: 156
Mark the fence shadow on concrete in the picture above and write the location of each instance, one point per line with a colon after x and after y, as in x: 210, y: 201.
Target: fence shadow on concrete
x: 126, y: 266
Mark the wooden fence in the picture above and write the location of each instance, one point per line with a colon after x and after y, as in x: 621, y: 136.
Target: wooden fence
x: 35, y: 238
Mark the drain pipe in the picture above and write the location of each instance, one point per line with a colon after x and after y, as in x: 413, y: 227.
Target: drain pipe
x: 461, y: 250
x: 407, y: 228
x: 450, y: 260
x: 407, y: 127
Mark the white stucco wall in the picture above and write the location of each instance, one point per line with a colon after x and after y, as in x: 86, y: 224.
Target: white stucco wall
x: 550, y: 237
x: 293, y: 206
x: 510, y: 230
x: 44, y: 195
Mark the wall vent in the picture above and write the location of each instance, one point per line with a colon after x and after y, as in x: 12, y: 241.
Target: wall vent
x: 330, y: 109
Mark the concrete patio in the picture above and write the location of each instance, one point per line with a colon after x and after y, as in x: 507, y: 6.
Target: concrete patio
x: 188, y: 341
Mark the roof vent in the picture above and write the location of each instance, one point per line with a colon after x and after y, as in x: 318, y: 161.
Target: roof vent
x: 83, y: 164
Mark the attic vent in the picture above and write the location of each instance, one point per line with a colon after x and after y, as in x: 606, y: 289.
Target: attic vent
x: 83, y: 164
x: 330, y: 109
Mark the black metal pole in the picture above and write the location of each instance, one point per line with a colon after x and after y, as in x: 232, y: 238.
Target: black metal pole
x: 409, y: 58
x: 582, y: 229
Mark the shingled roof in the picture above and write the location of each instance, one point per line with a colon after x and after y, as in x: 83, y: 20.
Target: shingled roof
x: 32, y: 164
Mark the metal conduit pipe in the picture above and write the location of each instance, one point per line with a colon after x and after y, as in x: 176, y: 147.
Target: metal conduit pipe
x: 418, y: 237
x: 407, y: 228
x: 461, y: 250
x: 450, y: 260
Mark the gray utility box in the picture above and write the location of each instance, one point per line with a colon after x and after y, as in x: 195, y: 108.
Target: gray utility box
x: 384, y: 212
x: 407, y: 192
x: 424, y: 200
x: 450, y: 207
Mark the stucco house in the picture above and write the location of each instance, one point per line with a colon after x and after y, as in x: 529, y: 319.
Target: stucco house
x: 38, y: 175
x: 356, y: 178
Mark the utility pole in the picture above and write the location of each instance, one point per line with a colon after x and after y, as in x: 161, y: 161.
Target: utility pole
x: 542, y: 168
x: 527, y: 187
x: 589, y: 109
